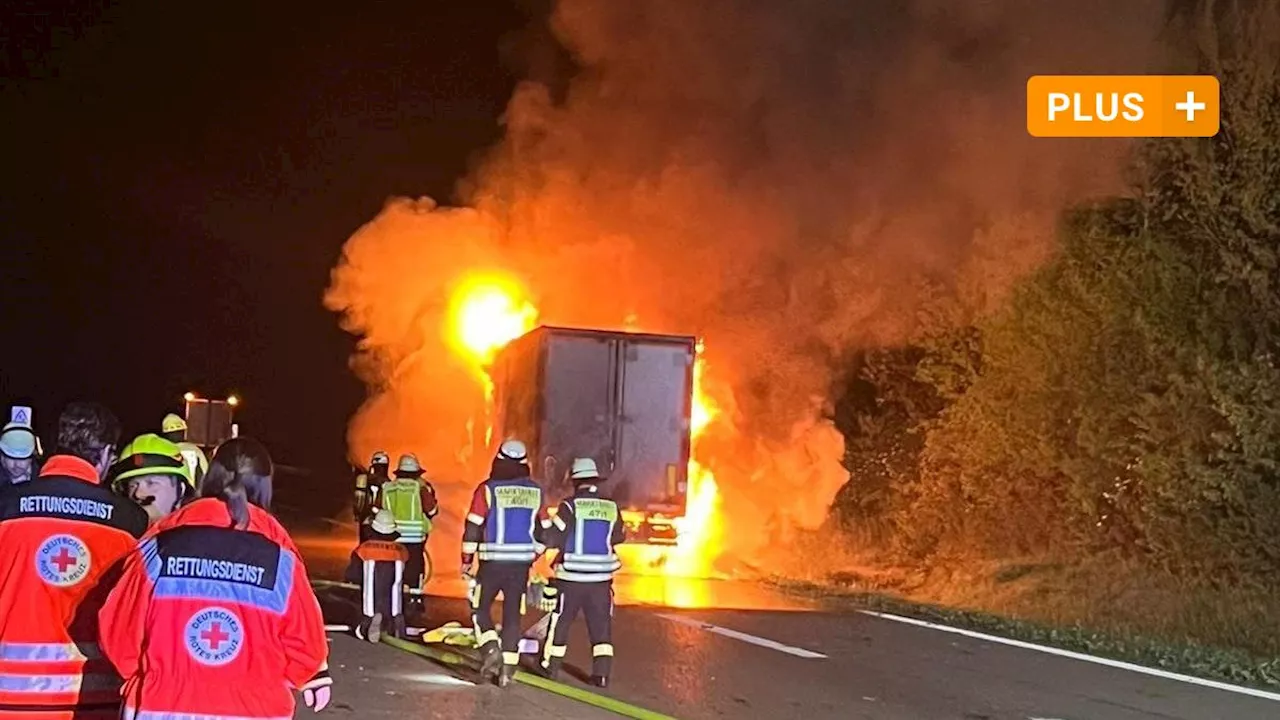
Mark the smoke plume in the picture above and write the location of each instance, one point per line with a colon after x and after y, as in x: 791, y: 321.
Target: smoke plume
x: 780, y: 178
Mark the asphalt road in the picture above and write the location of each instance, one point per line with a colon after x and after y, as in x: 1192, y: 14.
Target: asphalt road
x: 759, y: 660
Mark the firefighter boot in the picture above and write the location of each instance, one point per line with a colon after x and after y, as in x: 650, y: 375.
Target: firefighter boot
x: 551, y: 669
x: 506, y: 675
x: 398, y: 629
x: 370, y: 628
x: 600, y: 681
x: 490, y: 659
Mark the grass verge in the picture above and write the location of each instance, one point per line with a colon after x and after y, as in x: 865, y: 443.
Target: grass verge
x: 1227, y: 635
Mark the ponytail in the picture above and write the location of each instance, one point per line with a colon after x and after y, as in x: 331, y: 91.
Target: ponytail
x: 237, y: 502
x: 239, y: 475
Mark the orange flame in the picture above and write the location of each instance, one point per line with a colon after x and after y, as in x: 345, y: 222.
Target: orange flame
x: 489, y: 310
x: 698, y: 532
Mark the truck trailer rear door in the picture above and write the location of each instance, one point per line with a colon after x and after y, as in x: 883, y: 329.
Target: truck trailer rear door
x: 653, y: 451
x: 577, y: 387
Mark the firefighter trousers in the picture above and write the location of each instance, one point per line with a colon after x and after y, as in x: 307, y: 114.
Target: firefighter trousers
x: 595, y: 601
x: 416, y: 567
x: 380, y: 596
x: 510, y: 580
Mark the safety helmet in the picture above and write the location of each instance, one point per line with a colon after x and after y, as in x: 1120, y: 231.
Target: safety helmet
x: 408, y: 466
x: 384, y: 522
x: 380, y: 458
x: 173, y: 423
x: 19, y: 441
x: 151, y: 454
x: 197, y: 463
x: 513, y: 450
x: 584, y: 469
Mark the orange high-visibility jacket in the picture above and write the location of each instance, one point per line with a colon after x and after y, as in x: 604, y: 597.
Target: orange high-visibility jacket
x: 214, y: 621
x: 61, y: 538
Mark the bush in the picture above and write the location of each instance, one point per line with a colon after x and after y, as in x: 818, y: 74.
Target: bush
x: 1127, y: 398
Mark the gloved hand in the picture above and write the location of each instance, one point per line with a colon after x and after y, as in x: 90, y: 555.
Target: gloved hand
x: 550, y: 595
x: 467, y: 573
x: 317, y: 699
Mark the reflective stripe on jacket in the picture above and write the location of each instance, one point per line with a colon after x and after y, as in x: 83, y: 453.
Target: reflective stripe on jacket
x: 585, y: 529
x: 211, y: 621
x: 501, y: 521
x: 59, y: 536
x: 404, y: 498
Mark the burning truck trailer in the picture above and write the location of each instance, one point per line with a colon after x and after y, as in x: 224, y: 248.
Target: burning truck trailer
x: 622, y: 399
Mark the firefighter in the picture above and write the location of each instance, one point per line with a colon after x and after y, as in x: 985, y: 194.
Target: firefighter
x: 153, y: 473
x: 214, y: 615
x: 368, y: 485
x: 174, y: 429
x: 500, y: 529
x: 382, y: 562
x: 412, y: 502
x: 60, y: 535
x: 585, y: 530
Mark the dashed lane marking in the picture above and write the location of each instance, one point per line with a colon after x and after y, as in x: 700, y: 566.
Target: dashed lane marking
x: 754, y: 640
x: 1081, y: 656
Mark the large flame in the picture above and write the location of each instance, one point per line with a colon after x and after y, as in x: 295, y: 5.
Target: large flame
x: 489, y: 310
x: 698, y: 532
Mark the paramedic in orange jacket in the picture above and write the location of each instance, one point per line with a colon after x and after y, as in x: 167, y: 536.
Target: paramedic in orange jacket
x: 61, y: 537
x: 214, y: 615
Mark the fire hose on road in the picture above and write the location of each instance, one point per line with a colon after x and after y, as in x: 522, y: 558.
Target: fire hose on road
x: 456, y: 659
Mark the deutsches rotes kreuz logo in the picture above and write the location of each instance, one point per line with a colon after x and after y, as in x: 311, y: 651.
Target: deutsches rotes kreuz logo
x: 214, y: 636
x: 63, y: 560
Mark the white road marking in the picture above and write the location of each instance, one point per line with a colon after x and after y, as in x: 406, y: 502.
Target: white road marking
x: 1081, y: 656
x: 762, y: 642
x: 337, y: 628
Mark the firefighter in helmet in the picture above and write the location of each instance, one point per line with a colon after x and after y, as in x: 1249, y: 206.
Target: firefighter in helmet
x: 412, y: 501
x: 153, y: 473
x: 174, y: 429
x: 368, y: 486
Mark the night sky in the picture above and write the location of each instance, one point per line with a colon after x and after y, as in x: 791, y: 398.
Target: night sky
x: 178, y: 183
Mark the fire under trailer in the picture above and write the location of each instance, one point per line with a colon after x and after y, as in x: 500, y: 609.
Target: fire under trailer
x: 622, y: 399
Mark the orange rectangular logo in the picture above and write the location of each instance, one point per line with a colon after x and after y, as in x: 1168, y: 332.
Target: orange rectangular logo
x: 1123, y: 106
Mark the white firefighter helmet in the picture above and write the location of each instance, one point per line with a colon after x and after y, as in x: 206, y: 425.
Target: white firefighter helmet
x: 380, y: 458
x: 384, y: 522
x: 513, y: 450
x: 584, y: 469
x: 408, y: 465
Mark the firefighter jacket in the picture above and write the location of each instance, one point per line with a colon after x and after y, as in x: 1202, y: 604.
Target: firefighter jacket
x: 585, y: 529
x: 61, y: 538
x: 382, y: 562
x: 501, y: 521
x: 413, y: 503
x: 362, y: 500
x: 211, y: 621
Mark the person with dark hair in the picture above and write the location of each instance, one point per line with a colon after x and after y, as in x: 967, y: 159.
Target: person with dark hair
x: 505, y: 508
x: 61, y: 537
x: 217, y: 595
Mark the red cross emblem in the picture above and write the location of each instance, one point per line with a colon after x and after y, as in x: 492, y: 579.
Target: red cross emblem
x: 214, y: 636
x: 63, y: 560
